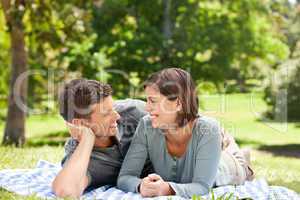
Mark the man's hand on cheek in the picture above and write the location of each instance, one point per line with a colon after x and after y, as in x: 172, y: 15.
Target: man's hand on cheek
x: 79, y: 129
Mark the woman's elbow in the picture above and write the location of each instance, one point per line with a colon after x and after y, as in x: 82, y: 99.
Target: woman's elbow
x: 120, y: 182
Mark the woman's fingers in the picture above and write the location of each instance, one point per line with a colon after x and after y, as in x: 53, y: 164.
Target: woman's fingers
x: 147, y: 191
x: 154, y: 177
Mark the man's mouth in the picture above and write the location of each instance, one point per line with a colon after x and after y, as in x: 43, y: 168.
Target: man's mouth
x: 153, y: 116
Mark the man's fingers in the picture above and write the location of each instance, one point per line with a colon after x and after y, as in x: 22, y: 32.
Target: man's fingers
x: 86, y: 124
x: 74, y: 129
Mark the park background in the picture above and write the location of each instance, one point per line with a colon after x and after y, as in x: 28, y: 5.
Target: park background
x: 244, y: 56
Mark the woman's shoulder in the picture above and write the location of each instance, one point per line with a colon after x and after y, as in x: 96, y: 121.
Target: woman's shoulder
x: 207, y: 120
x: 206, y: 125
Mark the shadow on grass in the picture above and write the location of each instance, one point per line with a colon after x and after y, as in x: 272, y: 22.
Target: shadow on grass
x: 51, y: 139
x: 287, y: 150
x: 251, y: 143
x: 265, y: 118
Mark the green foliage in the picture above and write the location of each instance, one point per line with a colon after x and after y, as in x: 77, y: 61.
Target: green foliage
x: 4, y: 58
x: 283, y: 92
x: 214, y: 40
x: 211, y: 39
x: 60, y: 44
x: 206, y: 87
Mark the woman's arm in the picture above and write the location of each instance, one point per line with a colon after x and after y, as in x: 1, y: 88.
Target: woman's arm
x: 207, y: 160
x: 134, y: 161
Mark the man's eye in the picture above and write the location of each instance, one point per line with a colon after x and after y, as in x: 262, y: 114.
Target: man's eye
x: 106, y: 113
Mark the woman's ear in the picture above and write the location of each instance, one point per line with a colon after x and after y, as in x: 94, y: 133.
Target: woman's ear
x: 178, y: 104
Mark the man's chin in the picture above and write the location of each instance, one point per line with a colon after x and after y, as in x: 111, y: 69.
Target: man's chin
x: 109, y: 134
x: 155, y: 124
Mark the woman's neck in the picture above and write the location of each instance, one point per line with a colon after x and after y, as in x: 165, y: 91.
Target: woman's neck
x: 180, y: 134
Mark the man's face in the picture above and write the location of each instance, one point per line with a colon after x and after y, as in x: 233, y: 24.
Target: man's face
x: 103, y: 119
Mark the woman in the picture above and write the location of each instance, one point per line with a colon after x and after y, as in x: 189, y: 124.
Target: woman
x: 184, y: 148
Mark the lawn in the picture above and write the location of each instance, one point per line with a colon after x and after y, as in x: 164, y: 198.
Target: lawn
x: 275, y: 146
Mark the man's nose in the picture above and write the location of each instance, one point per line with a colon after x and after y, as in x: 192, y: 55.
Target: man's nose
x: 117, y: 116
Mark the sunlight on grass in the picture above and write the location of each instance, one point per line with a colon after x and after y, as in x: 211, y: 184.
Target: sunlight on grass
x: 240, y: 114
x: 281, y: 171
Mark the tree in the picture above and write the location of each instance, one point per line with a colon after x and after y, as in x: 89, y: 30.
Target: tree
x: 15, y: 123
x: 283, y: 92
x: 211, y: 39
x: 59, y: 40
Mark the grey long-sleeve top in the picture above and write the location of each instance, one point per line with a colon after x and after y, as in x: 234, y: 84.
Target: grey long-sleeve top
x: 191, y: 174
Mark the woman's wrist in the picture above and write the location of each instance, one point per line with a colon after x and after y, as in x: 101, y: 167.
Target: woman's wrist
x: 170, y: 190
x: 138, y: 188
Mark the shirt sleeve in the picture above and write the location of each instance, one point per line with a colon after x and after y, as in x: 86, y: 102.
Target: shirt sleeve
x: 207, y: 160
x: 134, y: 161
x: 69, y: 147
x: 131, y: 112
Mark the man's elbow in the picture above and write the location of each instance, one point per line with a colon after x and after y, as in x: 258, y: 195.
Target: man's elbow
x: 64, y: 190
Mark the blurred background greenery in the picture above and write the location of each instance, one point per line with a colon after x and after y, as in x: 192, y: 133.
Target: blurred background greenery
x: 244, y: 56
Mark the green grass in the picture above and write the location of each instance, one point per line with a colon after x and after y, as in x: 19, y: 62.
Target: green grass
x: 275, y: 146
x: 38, y: 129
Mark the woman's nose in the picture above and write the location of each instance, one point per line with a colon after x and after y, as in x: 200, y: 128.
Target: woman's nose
x: 147, y: 107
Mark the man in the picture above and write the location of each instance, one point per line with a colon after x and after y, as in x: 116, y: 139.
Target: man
x: 101, y: 133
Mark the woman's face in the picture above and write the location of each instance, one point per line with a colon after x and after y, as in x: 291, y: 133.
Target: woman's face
x: 163, y: 112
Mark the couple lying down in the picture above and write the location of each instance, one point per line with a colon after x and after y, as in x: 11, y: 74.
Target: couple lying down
x: 159, y: 147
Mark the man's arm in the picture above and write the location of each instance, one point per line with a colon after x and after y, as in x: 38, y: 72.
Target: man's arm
x: 72, y: 180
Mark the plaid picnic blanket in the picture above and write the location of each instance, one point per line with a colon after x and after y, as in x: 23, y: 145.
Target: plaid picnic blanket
x: 37, y: 182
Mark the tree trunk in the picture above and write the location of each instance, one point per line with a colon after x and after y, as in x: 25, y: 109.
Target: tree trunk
x: 167, y: 20
x: 167, y: 31
x: 15, y: 121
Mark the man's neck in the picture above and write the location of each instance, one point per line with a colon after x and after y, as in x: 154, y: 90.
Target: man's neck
x: 104, y: 142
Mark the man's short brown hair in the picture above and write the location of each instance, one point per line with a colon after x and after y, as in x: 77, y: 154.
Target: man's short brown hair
x: 79, y: 95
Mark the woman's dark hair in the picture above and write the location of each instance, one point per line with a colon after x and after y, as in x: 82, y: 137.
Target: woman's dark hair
x: 175, y: 83
x: 78, y: 95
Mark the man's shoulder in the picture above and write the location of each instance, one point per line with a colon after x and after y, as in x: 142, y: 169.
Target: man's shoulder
x: 70, y: 145
x: 130, y: 110
x: 129, y: 105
